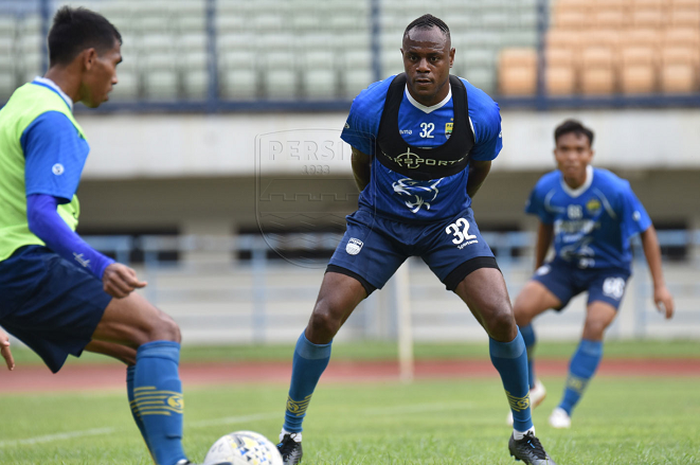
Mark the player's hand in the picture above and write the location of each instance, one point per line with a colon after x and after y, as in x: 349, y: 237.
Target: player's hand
x: 5, y: 350
x: 119, y: 280
x: 664, y: 301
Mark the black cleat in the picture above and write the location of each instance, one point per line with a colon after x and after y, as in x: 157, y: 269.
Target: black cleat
x: 290, y: 450
x: 529, y: 450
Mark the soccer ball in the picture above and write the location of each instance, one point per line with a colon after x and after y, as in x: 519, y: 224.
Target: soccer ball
x: 243, y: 448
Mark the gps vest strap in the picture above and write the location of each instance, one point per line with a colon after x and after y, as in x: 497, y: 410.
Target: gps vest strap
x: 424, y: 164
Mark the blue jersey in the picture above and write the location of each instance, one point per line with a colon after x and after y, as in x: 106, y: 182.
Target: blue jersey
x: 592, y: 224
x: 397, y: 196
x: 54, y: 152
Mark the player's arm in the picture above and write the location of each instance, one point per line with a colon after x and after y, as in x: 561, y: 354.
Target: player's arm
x: 45, y: 222
x: 361, y: 168
x: 52, y: 141
x: 545, y: 233
x: 5, y: 350
x: 652, y: 252
x: 478, y: 170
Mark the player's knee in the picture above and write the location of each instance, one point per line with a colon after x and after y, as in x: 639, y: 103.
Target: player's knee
x: 594, y: 329
x: 500, y: 324
x: 165, y: 329
x: 323, y: 321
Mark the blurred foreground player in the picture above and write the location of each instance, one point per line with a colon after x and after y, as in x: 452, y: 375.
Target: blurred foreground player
x: 422, y: 144
x: 591, y: 215
x: 59, y: 296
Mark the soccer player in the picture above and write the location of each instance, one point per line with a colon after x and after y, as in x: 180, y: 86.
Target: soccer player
x: 60, y: 296
x: 590, y: 214
x: 422, y: 145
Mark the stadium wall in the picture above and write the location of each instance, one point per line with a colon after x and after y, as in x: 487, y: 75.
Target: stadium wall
x: 197, y: 173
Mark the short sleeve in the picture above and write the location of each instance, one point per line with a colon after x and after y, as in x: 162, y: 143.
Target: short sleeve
x: 535, y: 206
x: 635, y: 219
x: 362, y: 126
x: 485, y: 117
x: 55, y: 155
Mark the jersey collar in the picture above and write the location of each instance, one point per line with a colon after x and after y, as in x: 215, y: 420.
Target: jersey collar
x: 53, y: 86
x: 581, y: 189
x: 430, y: 109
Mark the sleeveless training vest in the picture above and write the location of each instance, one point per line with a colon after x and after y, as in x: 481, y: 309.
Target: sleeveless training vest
x: 424, y: 164
x: 26, y: 104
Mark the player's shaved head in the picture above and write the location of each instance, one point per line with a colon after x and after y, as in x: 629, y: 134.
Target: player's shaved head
x: 573, y: 126
x: 77, y: 29
x: 427, y: 21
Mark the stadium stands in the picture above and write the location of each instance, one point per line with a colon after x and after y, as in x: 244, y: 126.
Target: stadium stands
x: 304, y: 50
x: 630, y: 47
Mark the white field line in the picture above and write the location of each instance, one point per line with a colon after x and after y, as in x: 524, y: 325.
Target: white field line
x: 399, y: 409
x: 56, y: 437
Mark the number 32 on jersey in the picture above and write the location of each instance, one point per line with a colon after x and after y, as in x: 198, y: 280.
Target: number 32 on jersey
x: 460, y: 230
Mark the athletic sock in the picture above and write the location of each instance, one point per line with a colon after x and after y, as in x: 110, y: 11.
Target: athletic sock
x: 310, y: 361
x: 132, y: 405
x: 528, y: 333
x: 158, y: 398
x: 510, y: 359
x: 583, y: 365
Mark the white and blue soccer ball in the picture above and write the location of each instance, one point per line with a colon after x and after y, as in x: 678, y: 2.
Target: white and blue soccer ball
x: 243, y: 448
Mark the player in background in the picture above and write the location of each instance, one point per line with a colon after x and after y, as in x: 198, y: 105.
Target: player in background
x: 422, y: 145
x: 590, y: 214
x: 59, y: 296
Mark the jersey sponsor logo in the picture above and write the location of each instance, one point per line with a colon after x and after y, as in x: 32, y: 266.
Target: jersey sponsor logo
x: 420, y: 193
x: 614, y: 287
x: 575, y: 229
x: 413, y: 161
x: 57, y: 169
x: 406, y: 132
x: 460, y: 230
x: 593, y: 206
x: 354, y: 246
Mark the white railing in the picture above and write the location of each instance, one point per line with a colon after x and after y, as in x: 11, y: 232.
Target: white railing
x: 217, y: 298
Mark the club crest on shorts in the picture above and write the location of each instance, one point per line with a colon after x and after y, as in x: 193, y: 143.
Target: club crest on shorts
x: 354, y: 246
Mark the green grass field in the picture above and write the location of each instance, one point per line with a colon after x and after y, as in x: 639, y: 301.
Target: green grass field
x: 640, y: 420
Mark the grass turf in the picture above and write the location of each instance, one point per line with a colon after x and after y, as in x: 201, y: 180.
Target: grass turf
x: 620, y: 421
x: 370, y: 350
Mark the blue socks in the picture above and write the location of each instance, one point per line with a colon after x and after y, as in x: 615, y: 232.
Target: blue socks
x: 157, y: 398
x: 310, y: 361
x: 529, y: 337
x: 510, y: 359
x: 132, y: 405
x: 581, y: 369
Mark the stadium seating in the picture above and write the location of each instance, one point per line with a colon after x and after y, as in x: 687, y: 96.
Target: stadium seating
x: 604, y: 47
x: 311, y: 50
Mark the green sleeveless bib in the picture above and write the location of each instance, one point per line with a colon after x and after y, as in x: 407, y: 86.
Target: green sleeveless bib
x: 26, y: 104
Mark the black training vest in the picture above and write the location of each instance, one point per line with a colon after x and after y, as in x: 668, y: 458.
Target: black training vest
x: 424, y: 164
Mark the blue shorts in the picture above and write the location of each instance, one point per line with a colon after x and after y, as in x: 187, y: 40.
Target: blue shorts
x: 374, y: 247
x: 566, y: 280
x: 50, y: 304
